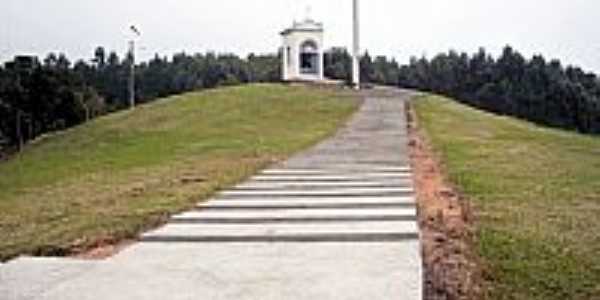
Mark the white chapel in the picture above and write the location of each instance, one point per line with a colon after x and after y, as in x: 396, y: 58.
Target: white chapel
x: 303, y: 52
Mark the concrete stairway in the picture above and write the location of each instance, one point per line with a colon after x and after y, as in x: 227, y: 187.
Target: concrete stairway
x: 304, y: 205
x: 335, y: 222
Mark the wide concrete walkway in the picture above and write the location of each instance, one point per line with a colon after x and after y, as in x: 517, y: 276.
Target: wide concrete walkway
x: 335, y: 222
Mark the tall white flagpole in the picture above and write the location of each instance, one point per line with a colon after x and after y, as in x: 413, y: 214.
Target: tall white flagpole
x: 356, y: 46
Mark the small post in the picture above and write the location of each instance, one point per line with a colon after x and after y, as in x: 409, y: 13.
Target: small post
x: 19, y: 131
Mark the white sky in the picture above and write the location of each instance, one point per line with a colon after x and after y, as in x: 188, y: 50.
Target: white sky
x: 565, y: 29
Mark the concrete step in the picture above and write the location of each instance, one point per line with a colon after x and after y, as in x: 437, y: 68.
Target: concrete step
x: 277, y: 206
x: 294, y: 238
x: 321, y: 171
x: 325, y: 177
x: 349, y: 167
x: 332, y: 160
x: 294, y: 219
x: 296, y: 213
x: 242, y: 230
x: 295, y: 201
x: 262, y: 185
x: 311, y: 193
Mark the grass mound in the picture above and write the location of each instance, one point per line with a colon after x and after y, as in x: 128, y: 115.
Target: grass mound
x: 536, y: 193
x: 124, y: 173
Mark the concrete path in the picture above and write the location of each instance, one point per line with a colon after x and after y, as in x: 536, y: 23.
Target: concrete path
x: 335, y: 222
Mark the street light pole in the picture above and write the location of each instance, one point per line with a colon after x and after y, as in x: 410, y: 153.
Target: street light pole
x: 356, y: 46
x: 132, y: 74
x: 132, y: 67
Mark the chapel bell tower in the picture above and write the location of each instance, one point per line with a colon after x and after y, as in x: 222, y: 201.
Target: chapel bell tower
x: 303, y: 52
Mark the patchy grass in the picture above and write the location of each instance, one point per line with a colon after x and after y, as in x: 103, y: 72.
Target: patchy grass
x: 536, y: 193
x: 126, y: 172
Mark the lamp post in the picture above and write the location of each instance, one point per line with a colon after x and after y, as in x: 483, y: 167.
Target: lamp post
x: 136, y: 33
x: 356, y: 45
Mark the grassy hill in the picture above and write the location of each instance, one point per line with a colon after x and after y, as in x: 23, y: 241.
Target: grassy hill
x: 123, y: 173
x: 536, y: 193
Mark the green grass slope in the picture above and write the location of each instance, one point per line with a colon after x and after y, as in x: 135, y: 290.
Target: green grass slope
x: 123, y: 173
x: 536, y: 193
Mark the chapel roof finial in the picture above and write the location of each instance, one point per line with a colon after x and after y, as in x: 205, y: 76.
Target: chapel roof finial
x: 308, y: 12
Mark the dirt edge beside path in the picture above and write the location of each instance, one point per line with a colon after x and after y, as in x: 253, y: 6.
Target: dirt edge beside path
x: 452, y: 268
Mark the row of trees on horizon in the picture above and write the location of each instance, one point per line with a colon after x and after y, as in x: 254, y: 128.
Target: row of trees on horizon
x: 541, y: 91
x: 534, y: 89
x: 37, y: 97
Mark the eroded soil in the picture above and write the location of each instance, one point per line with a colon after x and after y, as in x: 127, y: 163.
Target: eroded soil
x: 452, y: 269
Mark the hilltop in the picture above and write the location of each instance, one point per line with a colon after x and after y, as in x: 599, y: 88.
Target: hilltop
x: 126, y: 172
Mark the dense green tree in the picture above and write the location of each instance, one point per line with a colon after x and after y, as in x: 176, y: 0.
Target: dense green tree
x: 40, y: 97
x: 338, y: 64
x: 385, y: 71
x: 367, y: 70
x: 6, y: 111
x: 532, y: 89
x: 100, y: 57
x: 264, y: 68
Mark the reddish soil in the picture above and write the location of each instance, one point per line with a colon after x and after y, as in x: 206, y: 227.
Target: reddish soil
x: 101, y: 250
x: 452, y: 269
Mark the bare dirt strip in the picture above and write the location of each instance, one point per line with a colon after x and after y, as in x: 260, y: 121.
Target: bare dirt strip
x: 452, y: 268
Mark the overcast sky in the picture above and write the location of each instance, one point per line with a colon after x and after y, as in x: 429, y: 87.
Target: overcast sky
x: 565, y: 29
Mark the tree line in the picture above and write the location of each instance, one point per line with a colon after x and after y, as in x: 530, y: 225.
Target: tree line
x: 37, y: 97
x: 379, y: 70
x: 534, y: 89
